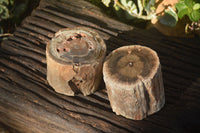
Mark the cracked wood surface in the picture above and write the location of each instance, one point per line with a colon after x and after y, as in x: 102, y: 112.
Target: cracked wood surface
x: 29, y: 104
x: 74, y: 61
x: 133, y: 79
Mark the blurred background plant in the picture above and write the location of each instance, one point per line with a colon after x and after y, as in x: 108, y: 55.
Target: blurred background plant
x: 191, y: 9
x: 141, y: 9
x: 6, y: 7
x: 166, y: 12
x: 170, y: 13
x: 11, y: 14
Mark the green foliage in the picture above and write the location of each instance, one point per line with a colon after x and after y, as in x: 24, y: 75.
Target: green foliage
x: 145, y: 9
x: 191, y: 8
x: 12, y: 13
x: 141, y: 9
x: 4, y: 12
x: 5, y: 7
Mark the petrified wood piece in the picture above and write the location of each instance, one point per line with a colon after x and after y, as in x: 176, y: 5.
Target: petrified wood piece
x: 134, y: 81
x: 74, y: 61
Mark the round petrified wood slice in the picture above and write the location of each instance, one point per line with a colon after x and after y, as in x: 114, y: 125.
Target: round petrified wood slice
x: 74, y: 61
x: 133, y: 79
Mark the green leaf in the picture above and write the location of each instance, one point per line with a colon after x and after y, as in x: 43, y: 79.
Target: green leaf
x: 133, y: 9
x: 4, y: 12
x: 182, y: 9
x: 140, y: 6
x: 130, y: 4
x: 170, y: 18
x: 189, y: 3
x: 182, y: 13
x: 172, y: 13
x: 196, y: 6
x: 106, y: 2
x: 181, y: 6
x: 124, y: 3
x: 5, y: 2
x: 149, y: 5
x: 195, y: 15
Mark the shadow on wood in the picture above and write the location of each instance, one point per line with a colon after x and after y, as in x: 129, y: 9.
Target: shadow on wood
x: 29, y: 104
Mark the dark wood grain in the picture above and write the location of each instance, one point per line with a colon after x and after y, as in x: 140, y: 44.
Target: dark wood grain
x: 29, y: 104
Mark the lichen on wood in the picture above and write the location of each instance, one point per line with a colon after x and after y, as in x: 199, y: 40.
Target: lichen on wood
x: 74, y: 61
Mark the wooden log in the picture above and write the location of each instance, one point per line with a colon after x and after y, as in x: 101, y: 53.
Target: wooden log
x: 28, y: 103
x: 74, y: 61
x: 134, y: 81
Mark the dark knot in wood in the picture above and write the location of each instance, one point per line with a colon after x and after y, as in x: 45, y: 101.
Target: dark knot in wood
x: 130, y: 64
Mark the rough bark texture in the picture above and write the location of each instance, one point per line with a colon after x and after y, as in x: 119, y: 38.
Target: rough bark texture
x: 134, y: 81
x: 28, y: 104
x: 74, y: 61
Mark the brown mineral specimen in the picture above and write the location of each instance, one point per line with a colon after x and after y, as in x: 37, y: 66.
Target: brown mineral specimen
x: 133, y: 79
x: 74, y: 61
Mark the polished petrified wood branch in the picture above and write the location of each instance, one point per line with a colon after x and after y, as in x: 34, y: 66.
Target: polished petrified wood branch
x: 74, y: 61
x: 134, y: 81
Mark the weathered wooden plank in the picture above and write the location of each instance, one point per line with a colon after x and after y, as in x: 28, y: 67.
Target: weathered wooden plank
x: 29, y: 104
